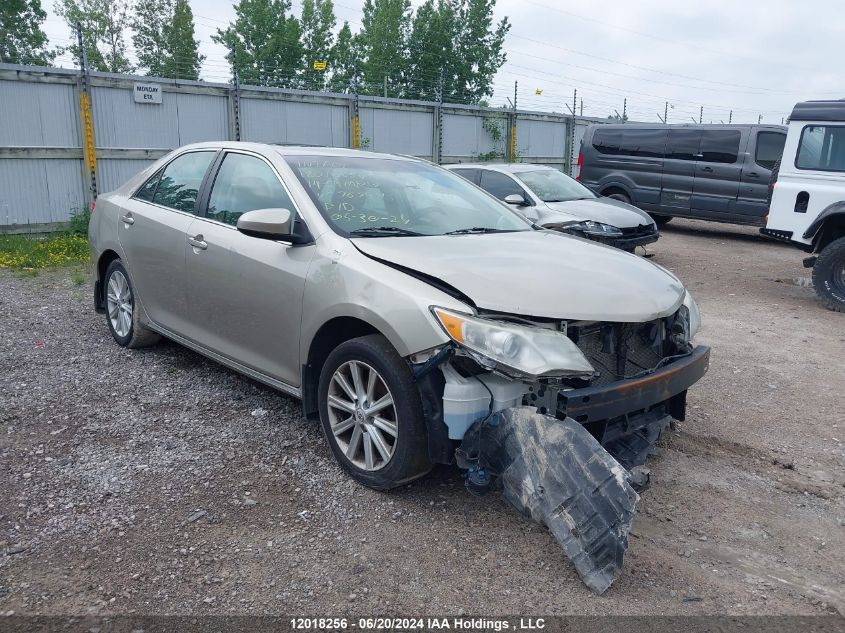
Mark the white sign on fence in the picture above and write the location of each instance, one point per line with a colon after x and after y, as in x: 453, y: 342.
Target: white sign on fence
x: 147, y: 93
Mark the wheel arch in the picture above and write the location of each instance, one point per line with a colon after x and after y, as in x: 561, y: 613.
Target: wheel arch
x: 103, y: 263
x: 331, y: 334
x: 828, y: 226
x: 608, y: 188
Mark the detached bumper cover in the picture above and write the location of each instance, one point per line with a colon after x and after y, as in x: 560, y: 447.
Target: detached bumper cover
x: 593, y: 404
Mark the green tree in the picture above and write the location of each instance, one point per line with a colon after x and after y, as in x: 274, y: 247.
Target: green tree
x: 344, y: 61
x: 149, y: 23
x: 103, y: 24
x: 263, y: 43
x: 479, y: 51
x: 182, y: 59
x: 431, y: 49
x: 22, y: 41
x: 317, y: 23
x: 383, y: 45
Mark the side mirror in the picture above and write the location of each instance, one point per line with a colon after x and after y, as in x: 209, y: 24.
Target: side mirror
x: 273, y: 224
x: 516, y: 199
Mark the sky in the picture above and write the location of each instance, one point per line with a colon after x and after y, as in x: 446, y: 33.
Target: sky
x: 739, y: 60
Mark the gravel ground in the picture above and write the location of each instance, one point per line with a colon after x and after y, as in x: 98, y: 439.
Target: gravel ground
x: 156, y: 481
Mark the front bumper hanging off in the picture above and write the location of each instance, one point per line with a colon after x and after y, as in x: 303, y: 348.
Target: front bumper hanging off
x: 567, y: 462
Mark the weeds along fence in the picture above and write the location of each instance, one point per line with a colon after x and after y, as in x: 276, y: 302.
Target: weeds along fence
x: 66, y: 135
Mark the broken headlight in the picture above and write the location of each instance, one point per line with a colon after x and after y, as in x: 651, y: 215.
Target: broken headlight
x: 598, y: 229
x: 694, y: 314
x: 531, y: 351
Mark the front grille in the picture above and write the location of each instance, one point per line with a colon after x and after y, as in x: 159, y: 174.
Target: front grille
x: 638, y: 231
x: 620, y: 350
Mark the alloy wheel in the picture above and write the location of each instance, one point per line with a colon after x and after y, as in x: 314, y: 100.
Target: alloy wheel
x: 119, y: 303
x: 362, y: 415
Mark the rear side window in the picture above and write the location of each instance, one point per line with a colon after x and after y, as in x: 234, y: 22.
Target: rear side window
x: 769, y: 149
x: 181, y: 179
x: 684, y: 143
x: 822, y: 147
x: 245, y: 183
x: 608, y: 141
x: 643, y: 142
x: 148, y: 190
x: 719, y: 146
x: 631, y: 142
x: 501, y: 185
x: 473, y: 175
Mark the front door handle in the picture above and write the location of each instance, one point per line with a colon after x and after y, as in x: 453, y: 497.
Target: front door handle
x: 128, y: 219
x: 753, y: 174
x: 197, y: 242
x: 706, y: 168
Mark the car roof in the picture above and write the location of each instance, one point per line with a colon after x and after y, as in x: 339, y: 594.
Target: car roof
x: 296, y: 150
x: 831, y: 110
x: 508, y: 168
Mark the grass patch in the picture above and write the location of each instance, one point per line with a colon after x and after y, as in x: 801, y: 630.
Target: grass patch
x: 34, y: 252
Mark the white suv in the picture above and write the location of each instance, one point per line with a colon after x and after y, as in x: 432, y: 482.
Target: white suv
x: 808, y: 199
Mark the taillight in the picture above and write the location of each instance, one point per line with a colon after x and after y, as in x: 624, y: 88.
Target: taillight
x: 578, y: 166
x: 92, y: 205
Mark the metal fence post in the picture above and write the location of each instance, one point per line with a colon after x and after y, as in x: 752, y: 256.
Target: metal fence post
x: 235, y: 107
x: 355, y: 121
x: 437, y: 141
x: 89, y: 146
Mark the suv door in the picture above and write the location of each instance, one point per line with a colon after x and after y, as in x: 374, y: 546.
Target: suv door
x: 152, y: 232
x: 245, y: 293
x: 763, y: 151
x: 679, y: 170
x: 717, y: 173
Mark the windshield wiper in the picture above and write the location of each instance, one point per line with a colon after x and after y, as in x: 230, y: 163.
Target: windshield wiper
x: 382, y: 231
x: 476, y: 229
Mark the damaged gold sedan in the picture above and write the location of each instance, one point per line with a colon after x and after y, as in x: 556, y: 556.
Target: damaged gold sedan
x: 423, y: 321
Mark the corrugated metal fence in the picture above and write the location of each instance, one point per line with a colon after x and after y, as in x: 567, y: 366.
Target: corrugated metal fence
x: 43, y: 178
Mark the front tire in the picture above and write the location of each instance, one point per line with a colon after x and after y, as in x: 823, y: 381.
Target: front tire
x: 661, y: 220
x: 371, y: 413
x: 829, y: 275
x: 123, y: 309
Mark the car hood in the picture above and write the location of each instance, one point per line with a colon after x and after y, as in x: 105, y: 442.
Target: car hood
x: 605, y: 210
x: 538, y: 273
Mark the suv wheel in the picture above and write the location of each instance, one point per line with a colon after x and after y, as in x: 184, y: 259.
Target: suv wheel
x: 371, y: 413
x: 661, y: 220
x: 829, y: 275
x: 123, y: 309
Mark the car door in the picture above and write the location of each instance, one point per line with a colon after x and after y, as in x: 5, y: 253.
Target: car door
x: 245, y: 293
x: 717, y: 173
x: 764, y: 150
x: 679, y: 173
x: 152, y: 233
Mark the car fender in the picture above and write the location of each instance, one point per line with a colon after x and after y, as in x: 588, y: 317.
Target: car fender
x: 832, y: 211
x: 343, y: 282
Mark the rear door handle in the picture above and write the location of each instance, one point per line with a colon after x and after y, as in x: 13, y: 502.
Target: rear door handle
x: 197, y: 242
x: 753, y: 174
x: 128, y: 219
x: 705, y: 168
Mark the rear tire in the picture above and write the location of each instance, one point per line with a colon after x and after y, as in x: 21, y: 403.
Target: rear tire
x: 622, y: 197
x: 661, y: 220
x: 829, y: 275
x: 123, y: 309
x: 386, y: 448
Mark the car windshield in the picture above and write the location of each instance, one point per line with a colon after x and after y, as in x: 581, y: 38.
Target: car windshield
x: 382, y: 197
x: 551, y: 185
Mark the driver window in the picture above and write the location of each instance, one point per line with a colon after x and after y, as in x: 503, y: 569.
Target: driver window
x: 245, y: 183
x: 501, y: 185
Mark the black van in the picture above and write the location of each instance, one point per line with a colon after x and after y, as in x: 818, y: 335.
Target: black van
x: 710, y: 172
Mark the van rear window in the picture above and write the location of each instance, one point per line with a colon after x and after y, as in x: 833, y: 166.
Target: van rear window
x: 630, y: 142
